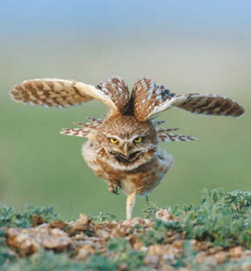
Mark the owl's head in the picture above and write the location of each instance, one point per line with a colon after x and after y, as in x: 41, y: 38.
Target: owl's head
x: 127, y: 142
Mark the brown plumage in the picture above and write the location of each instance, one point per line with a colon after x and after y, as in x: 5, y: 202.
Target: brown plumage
x: 123, y: 148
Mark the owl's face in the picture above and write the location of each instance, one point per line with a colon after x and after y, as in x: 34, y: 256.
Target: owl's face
x: 127, y: 142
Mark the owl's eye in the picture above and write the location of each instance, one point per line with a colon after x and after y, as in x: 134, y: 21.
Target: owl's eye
x: 114, y: 140
x: 138, y: 139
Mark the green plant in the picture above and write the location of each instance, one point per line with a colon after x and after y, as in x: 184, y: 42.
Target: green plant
x: 103, y: 216
x: 9, y: 217
x: 223, y: 218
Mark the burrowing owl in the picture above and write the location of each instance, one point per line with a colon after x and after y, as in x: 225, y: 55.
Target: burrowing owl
x: 123, y: 148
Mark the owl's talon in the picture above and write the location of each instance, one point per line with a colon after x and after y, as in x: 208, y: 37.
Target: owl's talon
x: 114, y: 186
x: 115, y: 192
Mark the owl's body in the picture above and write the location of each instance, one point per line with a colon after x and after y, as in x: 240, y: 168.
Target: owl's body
x: 123, y: 149
x: 136, y: 170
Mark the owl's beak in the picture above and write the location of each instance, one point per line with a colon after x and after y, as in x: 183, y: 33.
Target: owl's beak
x: 125, y: 150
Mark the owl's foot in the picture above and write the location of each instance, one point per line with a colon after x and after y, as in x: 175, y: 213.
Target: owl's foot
x: 114, y: 186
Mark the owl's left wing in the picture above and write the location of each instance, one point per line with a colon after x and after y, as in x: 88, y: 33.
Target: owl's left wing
x: 150, y: 99
x: 65, y: 93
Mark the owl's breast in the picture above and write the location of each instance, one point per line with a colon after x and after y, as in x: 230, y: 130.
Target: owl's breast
x: 147, y: 177
x: 142, y: 179
x: 91, y: 154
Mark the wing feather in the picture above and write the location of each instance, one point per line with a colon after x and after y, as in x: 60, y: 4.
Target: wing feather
x: 65, y: 93
x: 147, y: 97
x: 150, y: 99
x: 208, y: 104
x: 52, y: 92
x: 168, y: 137
x: 117, y: 91
x: 76, y: 132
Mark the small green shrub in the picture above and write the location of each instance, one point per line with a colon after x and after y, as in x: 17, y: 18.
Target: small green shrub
x: 222, y: 218
x: 9, y: 217
x: 103, y: 216
x: 132, y: 259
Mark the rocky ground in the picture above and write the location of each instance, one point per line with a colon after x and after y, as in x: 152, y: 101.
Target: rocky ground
x: 165, y: 241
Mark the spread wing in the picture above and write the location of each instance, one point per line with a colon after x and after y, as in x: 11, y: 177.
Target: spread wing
x: 150, y: 99
x: 65, y: 93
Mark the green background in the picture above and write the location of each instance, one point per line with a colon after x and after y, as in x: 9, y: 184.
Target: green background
x: 189, y: 46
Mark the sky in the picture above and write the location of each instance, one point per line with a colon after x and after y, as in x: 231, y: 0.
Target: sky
x: 103, y: 17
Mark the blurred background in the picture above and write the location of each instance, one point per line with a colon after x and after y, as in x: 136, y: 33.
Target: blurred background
x: 189, y: 46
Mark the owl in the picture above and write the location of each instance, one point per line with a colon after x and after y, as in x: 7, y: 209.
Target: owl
x: 123, y: 147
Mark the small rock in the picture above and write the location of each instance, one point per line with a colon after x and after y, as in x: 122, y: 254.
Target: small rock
x: 84, y: 252
x: 210, y: 260
x: 163, y: 215
x: 137, y: 245
x: 221, y: 257
x: 151, y: 260
x: 214, y: 250
x: 178, y: 244
x: 135, y: 221
x: 58, y: 224
x: 28, y: 241
x: 246, y: 253
x: 200, y: 257
x: 83, y: 223
x: 123, y: 267
x: 37, y: 220
x: 159, y: 249
x: 246, y: 267
x: 168, y: 257
x: 236, y: 252
x: 167, y: 268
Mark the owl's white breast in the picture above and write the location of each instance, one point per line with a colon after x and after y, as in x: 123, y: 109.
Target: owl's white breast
x: 89, y: 154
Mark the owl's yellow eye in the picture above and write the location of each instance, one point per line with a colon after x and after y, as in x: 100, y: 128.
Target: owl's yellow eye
x: 114, y: 140
x: 138, y: 139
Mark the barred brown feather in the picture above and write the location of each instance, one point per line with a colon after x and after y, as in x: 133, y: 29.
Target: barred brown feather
x: 209, y: 104
x: 147, y: 96
x: 50, y: 92
x: 150, y: 99
x: 117, y: 90
x: 76, y: 132
x: 168, y: 137
x: 95, y: 123
x: 64, y: 93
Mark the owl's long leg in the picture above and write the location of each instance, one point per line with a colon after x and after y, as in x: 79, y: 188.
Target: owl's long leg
x: 130, y: 202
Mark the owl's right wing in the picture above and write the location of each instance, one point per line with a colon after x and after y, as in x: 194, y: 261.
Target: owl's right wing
x: 65, y: 93
x: 150, y: 99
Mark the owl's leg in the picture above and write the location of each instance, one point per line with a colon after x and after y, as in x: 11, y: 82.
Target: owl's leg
x: 130, y: 202
x: 114, y: 186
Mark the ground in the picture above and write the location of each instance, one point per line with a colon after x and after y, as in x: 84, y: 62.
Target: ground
x: 215, y: 235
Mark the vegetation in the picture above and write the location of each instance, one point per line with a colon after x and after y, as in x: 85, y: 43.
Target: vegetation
x: 223, y: 219
x: 215, y: 235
